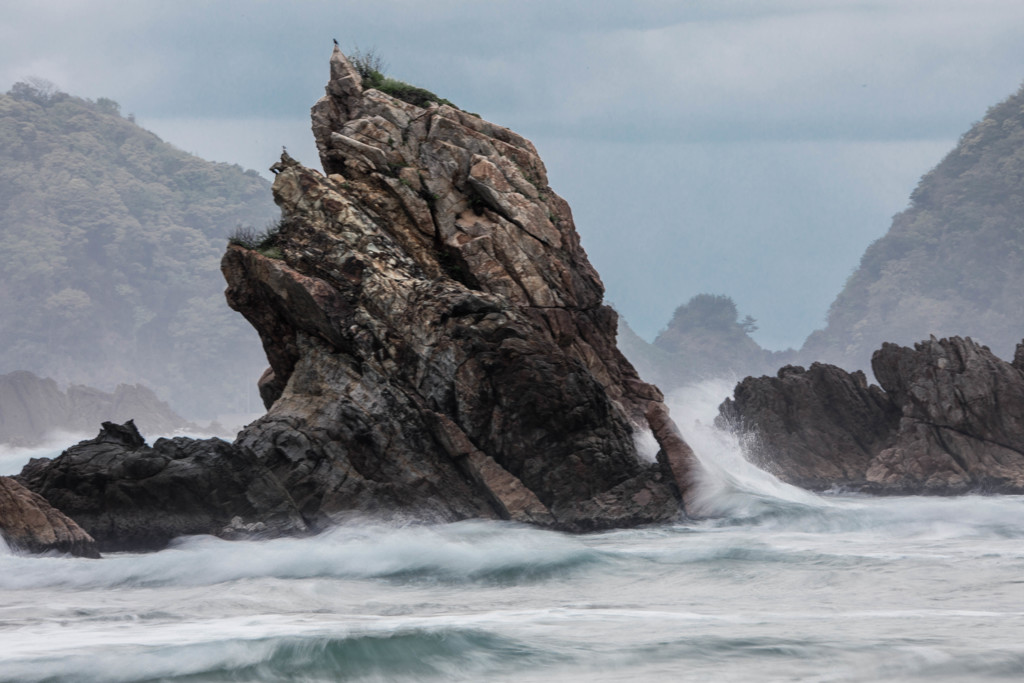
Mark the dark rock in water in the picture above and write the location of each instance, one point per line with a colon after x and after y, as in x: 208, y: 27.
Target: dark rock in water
x: 948, y: 419
x: 31, y: 407
x: 129, y: 496
x: 813, y: 428
x: 28, y: 522
x: 438, y: 350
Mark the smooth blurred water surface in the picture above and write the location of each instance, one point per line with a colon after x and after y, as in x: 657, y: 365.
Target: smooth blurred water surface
x: 776, y: 584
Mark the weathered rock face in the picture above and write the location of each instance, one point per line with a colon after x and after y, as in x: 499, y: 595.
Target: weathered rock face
x: 962, y: 425
x: 129, y: 496
x: 433, y: 301
x: 950, y: 420
x: 31, y: 407
x: 813, y: 428
x: 438, y: 351
x: 28, y: 522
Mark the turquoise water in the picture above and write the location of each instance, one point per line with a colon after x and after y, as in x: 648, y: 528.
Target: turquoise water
x: 776, y: 584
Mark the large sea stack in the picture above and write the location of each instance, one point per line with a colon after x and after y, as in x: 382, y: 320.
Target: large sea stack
x: 437, y: 338
x: 438, y: 345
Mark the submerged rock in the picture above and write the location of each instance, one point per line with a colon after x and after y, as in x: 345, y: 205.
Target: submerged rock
x: 28, y: 522
x: 948, y: 419
x: 438, y: 350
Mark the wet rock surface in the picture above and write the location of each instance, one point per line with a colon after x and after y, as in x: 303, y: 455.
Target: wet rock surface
x: 130, y: 496
x: 947, y: 419
x: 28, y: 522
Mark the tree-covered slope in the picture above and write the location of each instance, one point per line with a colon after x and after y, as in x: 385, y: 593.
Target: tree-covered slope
x: 952, y: 263
x: 111, y: 241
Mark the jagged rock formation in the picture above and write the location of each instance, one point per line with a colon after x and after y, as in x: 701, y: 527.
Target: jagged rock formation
x: 438, y: 350
x: 32, y: 407
x: 952, y: 263
x: 28, y: 522
x: 948, y: 419
x: 133, y: 497
x: 433, y: 292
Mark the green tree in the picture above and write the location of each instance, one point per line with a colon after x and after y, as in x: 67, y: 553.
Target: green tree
x: 112, y: 241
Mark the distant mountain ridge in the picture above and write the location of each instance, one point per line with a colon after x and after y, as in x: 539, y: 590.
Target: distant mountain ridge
x: 952, y: 263
x: 31, y: 408
x: 111, y: 242
x: 705, y: 339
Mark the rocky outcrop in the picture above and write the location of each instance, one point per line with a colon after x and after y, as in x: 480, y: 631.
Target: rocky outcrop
x: 133, y: 497
x: 438, y: 350
x: 948, y: 419
x: 813, y: 428
x: 28, y: 522
x: 433, y: 301
x: 962, y: 425
x: 32, y: 407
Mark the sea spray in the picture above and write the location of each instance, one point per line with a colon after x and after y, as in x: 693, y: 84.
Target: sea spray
x: 728, y: 485
x: 775, y: 584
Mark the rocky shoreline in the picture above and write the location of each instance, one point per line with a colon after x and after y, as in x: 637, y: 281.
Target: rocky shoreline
x: 438, y: 351
x: 947, y: 419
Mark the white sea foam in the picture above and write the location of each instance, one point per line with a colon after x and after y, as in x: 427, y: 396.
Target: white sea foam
x: 775, y: 584
x: 728, y: 485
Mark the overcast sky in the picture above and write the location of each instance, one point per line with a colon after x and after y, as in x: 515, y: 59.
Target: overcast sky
x: 748, y: 148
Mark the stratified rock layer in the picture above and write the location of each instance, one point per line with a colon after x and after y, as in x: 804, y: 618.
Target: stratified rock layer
x: 433, y: 308
x: 950, y: 420
x: 28, y: 522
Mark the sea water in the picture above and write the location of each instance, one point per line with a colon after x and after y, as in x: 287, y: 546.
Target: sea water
x: 772, y: 584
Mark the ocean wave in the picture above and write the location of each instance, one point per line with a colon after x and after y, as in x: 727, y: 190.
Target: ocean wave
x: 484, y: 552
x: 409, y: 654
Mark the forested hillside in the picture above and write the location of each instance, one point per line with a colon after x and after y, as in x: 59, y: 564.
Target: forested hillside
x: 111, y: 243
x: 952, y: 263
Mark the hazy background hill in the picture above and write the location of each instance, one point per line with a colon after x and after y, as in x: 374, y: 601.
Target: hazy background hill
x: 111, y: 242
x: 706, y: 338
x: 952, y: 263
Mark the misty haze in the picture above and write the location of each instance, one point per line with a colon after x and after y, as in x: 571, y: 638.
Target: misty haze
x: 512, y: 341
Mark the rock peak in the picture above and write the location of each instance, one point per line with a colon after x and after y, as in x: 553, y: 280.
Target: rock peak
x: 433, y: 259
x: 438, y: 347
x: 345, y: 80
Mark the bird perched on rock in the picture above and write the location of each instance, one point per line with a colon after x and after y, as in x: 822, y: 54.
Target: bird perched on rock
x: 335, y: 42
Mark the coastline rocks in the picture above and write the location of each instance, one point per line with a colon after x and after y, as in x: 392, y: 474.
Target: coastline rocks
x: 438, y: 351
x: 948, y: 419
x: 813, y: 428
x: 28, y: 522
x: 129, y: 496
x: 434, y: 318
